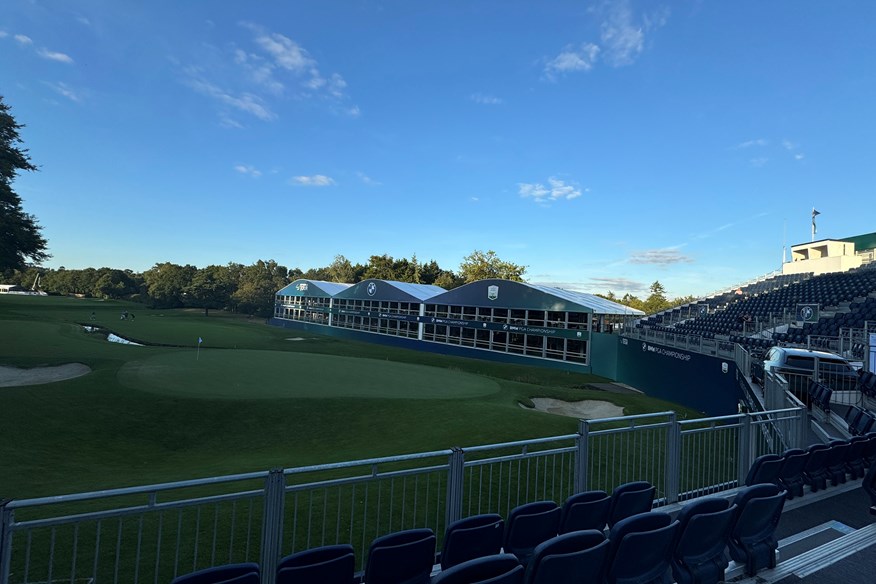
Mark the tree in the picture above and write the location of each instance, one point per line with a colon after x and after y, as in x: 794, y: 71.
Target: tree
x: 479, y: 265
x: 341, y: 270
x: 21, y: 239
x: 167, y: 283
x: 657, y: 300
x: 258, y: 285
x: 211, y: 287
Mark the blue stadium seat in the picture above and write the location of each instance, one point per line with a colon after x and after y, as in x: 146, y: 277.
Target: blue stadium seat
x: 473, y: 537
x: 322, y: 565
x: 630, y: 499
x: 764, y: 469
x: 577, y: 557
x: 836, y: 461
x: 529, y: 525
x: 855, y: 457
x: 815, y: 470
x: 641, y: 549
x: 244, y: 573
x: 791, y: 472
x: 496, y: 569
x: 703, y: 532
x: 588, y: 510
x: 752, y: 539
x: 404, y: 557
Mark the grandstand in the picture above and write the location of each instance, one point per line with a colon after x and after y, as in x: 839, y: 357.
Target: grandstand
x: 489, y: 319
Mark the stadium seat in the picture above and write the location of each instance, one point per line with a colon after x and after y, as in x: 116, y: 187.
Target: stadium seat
x: 495, y: 569
x: 577, y: 557
x: 703, y: 532
x: 630, y: 499
x: 764, y: 469
x: 815, y: 471
x: 529, y: 525
x: 331, y: 563
x: 752, y: 538
x: 244, y: 573
x: 588, y: 510
x: 641, y: 548
x: 472, y: 537
x: 836, y: 461
x: 404, y: 557
x: 790, y: 475
x: 855, y: 456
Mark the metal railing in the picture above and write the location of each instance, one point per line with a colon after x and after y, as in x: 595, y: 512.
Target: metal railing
x: 152, y: 533
x: 689, y: 342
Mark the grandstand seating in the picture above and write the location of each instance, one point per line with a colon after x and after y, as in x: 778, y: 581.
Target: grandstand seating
x: 735, y: 315
x: 703, y: 532
x: 243, y: 573
x: 404, y: 557
x: 764, y: 469
x: 332, y: 563
x: 472, y: 537
x: 630, y: 499
x: 641, y: 548
x: 578, y: 557
x: 790, y: 476
x: 495, y: 569
x: 529, y: 525
x: 752, y: 540
x: 646, y: 546
x: 588, y: 510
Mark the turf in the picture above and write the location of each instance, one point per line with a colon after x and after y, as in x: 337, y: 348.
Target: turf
x: 249, y: 374
x: 114, y: 428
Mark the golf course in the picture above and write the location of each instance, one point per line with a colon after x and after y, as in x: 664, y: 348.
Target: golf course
x: 204, y: 396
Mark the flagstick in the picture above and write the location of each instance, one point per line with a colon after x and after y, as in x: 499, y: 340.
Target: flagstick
x: 198, y: 357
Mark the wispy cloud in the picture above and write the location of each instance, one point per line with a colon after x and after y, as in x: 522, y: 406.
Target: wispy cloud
x: 758, y: 162
x: 484, y: 99
x: 65, y: 90
x: 622, y: 39
x: 581, y: 58
x: 23, y: 40
x: 54, y: 56
x: 556, y: 190
x: 257, y: 74
x: 367, y: 179
x: 792, y: 147
x: 474, y: 199
x: 662, y: 257
x: 619, y: 285
x: 83, y: 20
x: 245, y: 102
x: 317, y: 180
x: 248, y: 170
x: 751, y: 143
x: 3, y: 34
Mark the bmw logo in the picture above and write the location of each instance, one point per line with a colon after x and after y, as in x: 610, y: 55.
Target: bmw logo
x: 806, y: 312
x: 371, y: 289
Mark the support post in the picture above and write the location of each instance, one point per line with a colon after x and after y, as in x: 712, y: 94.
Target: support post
x: 745, y: 446
x: 272, y: 524
x: 673, y: 463
x: 6, y: 518
x: 582, y: 445
x: 455, y: 479
x: 803, y: 428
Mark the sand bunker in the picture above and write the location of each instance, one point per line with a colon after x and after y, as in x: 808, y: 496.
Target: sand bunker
x: 587, y: 409
x: 15, y: 377
x: 295, y: 339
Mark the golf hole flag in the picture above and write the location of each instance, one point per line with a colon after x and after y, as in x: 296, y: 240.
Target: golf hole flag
x: 200, y: 340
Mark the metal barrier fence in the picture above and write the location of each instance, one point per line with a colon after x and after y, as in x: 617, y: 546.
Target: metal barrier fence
x: 678, y: 340
x: 151, y: 534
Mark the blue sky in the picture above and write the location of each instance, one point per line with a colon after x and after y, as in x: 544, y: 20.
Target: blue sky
x: 604, y: 145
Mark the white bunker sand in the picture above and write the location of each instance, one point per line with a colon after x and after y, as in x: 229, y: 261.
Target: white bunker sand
x: 587, y: 409
x: 15, y: 377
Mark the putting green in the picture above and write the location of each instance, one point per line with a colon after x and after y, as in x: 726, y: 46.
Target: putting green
x: 250, y: 374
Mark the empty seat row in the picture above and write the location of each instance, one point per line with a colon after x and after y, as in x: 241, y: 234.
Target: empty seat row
x: 815, y: 466
x: 819, y: 395
x: 644, y: 547
x: 867, y: 383
x: 860, y: 421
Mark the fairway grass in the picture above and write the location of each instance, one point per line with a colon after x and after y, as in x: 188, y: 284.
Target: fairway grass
x: 251, y: 401
x: 247, y: 374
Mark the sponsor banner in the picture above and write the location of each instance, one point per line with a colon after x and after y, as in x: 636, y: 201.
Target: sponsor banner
x: 807, y: 313
x: 681, y: 356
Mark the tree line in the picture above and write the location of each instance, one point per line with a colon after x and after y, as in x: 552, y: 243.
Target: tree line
x: 248, y: 289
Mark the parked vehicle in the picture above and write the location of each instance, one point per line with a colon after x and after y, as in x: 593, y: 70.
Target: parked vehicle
x: 798, y: 366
